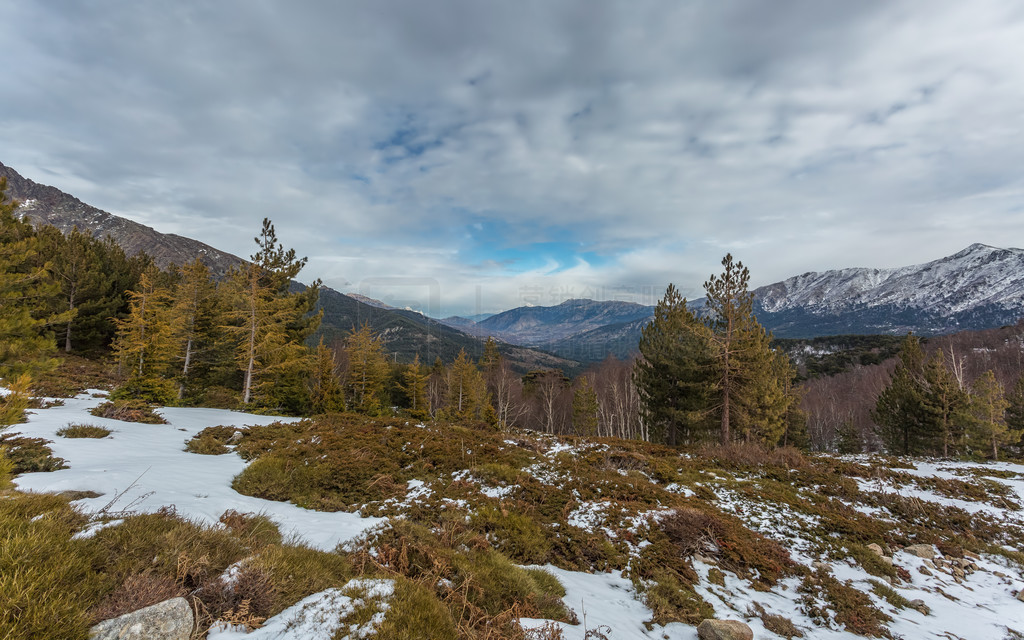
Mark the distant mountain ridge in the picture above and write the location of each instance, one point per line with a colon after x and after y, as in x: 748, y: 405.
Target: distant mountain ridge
x: 405, y: 333
x: 980, y: 287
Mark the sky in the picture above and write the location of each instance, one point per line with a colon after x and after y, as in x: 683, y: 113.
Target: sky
x: 469, y: 156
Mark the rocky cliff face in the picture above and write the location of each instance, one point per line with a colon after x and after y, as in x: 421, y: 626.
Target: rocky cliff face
x: 49, y: 205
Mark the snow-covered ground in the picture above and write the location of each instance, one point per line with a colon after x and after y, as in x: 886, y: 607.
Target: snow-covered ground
x: 147, y: 468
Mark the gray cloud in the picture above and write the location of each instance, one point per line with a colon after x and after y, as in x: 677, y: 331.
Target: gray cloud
x: 798, y: 134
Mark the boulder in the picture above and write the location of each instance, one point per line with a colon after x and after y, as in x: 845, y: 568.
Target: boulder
x: 724, y: 630
x: 926, y: 551
x: 877, y: 549
x: 818, y: 565
x: 1020, y: 596
x: 971, y: 555
x: 168, y: 620
x: 919, y: 605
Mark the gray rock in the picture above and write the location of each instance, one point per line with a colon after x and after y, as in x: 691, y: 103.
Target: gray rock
x: 724, y: 630
x: 235, y: 438
x: 926, y: 551
x: 818, y: 565
x: 168, y: 620
x: 919, y: 605
x: 924, y: 570
x: 877, y: 549
x: 1020, y: 596
x: 971, y: 555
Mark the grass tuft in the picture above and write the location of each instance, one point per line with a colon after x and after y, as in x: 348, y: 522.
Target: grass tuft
x: 83, y: 431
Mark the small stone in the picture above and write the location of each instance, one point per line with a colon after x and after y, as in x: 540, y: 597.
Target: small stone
x: 818, y: 565
x: 924, y: 570
x: 885, y: 559
x: 972, y: 555
x: 877, y: 549
x: 926, y: 551
x: 919, y: 605
x: 929, y: 563
x: 168, y: 620
x: 724, y: 630
x: 235, y: 438
x: 999, y: 574
x: 959, y: 573
x: 1020, y: 596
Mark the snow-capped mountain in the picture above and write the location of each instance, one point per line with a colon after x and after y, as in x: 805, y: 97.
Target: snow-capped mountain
x: 977, y: 288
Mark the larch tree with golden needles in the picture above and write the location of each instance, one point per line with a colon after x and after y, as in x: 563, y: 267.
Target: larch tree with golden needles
x: 368, y: 371
x: 144, y: 338
x: 193, y: 319
x: 270, y: 323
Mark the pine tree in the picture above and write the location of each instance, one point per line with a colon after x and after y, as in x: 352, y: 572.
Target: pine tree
x: 944, y: 403
x: 144, y: 338
x: 674, y: 373
x: 1015, y: 413
x: 901, y: 414
x: 325, y: 392
x: 194, y: 319
x: 414, y: 384
x: 584, y: 408
x: 988, y: 430
x: 26, y: 291
x: 368, y: 371
x: 467, y: 398
x: 271, y: 324
x: 748, y: 387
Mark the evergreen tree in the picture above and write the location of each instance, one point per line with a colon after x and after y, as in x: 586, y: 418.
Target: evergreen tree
x: 467, y: 398
x: 989, y: 430
x: 271, y: 324
x: 325, y: 393
x: 673, y: 376
x: 194, y: 319
x: 749, y: 376
x: 901, y: 414
x: 78, y: 270
x: 143, y: 340
x: 1015, y: 412
x: 944, y: 403
x: 26, y: 291
x: 368, y: 371
x: 414, y: 384
x: 584, y: 408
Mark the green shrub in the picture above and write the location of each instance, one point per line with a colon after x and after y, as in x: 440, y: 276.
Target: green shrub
x: 296, y: 571
x: 154, y: 391
x: 416, y: 613
x: 83, y: 431
x: 514, y: 534
x: 47, y: 580
x: 128, y: 411
x: 29, y: 455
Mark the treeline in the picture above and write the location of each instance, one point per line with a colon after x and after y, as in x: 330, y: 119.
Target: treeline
x: 716, y: 376
x: 956, y: 395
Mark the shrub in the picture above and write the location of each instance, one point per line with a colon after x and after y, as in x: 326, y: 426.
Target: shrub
x: 152, y: 391
x: 515, y: 534
x: 256, y: 530
x: 128, y: 411
x: 29, y: 455
x: 296, y: 571
x: 416, y: 613
x: 83, y: 431
x: 48, y: 581
x: 852, y: 608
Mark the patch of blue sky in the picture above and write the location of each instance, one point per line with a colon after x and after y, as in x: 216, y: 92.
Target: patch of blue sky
x: 516, y: 250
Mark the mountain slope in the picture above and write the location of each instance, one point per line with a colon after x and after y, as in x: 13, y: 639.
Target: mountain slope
x: 980, y: 287
x: 534, y: 326
x: 405, y: 333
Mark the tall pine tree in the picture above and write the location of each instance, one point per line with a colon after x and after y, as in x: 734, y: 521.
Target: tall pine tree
x: 901, y: 413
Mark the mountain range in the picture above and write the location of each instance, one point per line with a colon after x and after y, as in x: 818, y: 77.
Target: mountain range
x: 980, y: 287
x: 405, y: 333
x: 977, y: 288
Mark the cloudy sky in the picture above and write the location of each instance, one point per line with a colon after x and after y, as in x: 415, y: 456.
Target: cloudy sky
x: 465, y: 156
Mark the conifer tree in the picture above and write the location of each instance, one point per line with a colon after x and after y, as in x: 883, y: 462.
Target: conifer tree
x: 584, y: 408
x: 144, y: 338
x: 193, y: 319
x: 467, y: 392
x: 733, y: 337
x: 989, y: 430
x: 77, y: 268
x: 674, y: 374
x: 26, y: 291
x: 325, y: 393
x: 368, y: 371
x: 1015, y: 412
x: 414, y: 384
x: 270, y: 323
x: 900, y: 414
x: 944, y: 403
